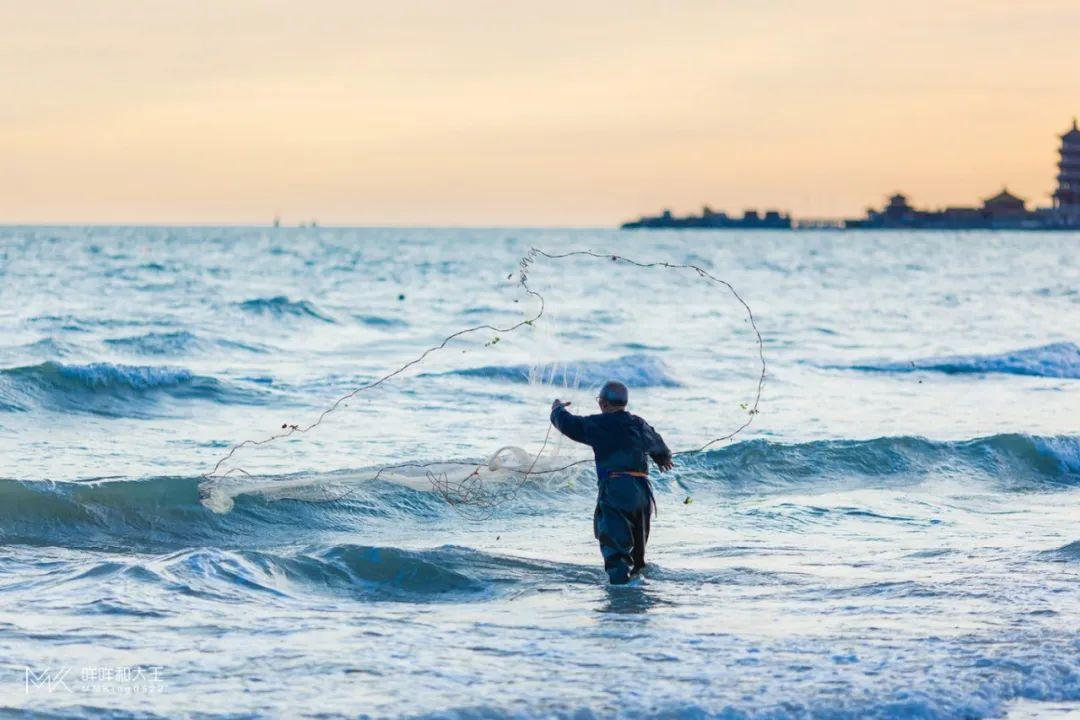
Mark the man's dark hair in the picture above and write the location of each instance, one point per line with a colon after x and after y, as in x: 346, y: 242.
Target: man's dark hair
x: 614, y: 393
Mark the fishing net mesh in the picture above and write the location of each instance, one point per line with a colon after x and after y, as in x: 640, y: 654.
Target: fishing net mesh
x: 477, y: 489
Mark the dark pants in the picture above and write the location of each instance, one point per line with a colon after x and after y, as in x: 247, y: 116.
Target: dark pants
x: 621, y: 524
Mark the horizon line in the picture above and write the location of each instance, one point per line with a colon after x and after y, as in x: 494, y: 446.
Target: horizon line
x: 284, y: 226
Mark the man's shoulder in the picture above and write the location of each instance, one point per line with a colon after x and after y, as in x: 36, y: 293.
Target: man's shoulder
x: 588, y: 418
x: 594, y: 420
x: 638, y: 420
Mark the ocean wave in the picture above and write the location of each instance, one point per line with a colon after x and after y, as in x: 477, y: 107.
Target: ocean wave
x: 169, y: 511
x: 109, y: 389
x: 1065, y: 553
x: 174, y: 343
x: 380, y: 321
x: 634, y: 370
x: 282, y: 307
x: 372, y: 573
x: 1015, y: 462
x: 186, y: 511
x: 359, y: 572
x: 48, y: 347
x: 1057, y: 360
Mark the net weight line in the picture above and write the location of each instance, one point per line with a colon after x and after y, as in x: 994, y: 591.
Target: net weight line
x: 471, y: 495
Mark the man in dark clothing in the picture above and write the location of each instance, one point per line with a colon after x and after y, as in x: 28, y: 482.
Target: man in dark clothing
x: 623, y: 444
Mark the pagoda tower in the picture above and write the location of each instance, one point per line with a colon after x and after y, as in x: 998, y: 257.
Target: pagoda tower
x: 1067, y: 196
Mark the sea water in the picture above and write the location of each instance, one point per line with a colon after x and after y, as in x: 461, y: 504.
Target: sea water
x: 897, y: 533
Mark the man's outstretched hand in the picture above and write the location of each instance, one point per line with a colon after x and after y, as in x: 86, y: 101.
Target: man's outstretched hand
x: 558, y: 404
x: 665, y: 465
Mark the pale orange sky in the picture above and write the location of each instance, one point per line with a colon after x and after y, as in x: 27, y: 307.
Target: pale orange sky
x: 471, y: 112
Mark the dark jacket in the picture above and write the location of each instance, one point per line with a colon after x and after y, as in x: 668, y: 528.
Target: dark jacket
x: 620, y: 441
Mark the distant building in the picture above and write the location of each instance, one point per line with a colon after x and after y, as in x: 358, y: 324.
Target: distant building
x: 963, y: 217
x: 1004, y: 206
x: 1067, y: 195
x: 897, y: 212
x: 712, y: 220
x: 1003, y: 211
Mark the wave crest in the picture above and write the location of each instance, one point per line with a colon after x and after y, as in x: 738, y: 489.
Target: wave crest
x: 361, y: 572
x: 1057, y: 360
x: 1017, y: 461
x: 634, y: 370
x: 108, y: 389
x: 1065, y: 553
x: 280, y: 306
x: 177, y: 512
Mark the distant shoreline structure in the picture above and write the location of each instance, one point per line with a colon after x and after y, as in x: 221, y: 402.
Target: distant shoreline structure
x: 1003, y: 211
x: 751, y: 219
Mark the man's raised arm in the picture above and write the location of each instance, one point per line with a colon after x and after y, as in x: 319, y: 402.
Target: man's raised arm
x: 567, y: 422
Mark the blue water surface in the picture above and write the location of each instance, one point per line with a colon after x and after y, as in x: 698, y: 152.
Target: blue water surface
x: 897, y: 534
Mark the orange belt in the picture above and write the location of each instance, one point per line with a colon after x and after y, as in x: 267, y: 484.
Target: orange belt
x: 635, y: 473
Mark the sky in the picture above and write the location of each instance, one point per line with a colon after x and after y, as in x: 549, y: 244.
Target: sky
x: 484, y: 112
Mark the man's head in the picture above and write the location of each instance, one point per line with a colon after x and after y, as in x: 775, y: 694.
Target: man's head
x: 613, y: 396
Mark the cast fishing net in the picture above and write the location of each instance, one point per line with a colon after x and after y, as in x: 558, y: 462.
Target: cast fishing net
x: 479, y: 487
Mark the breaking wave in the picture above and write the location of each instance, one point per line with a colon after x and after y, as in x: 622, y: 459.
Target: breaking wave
x: 48, y: 347
x: 634, y: 370
x: 282, y: 307
x: 362, y: 572
x: 108, y: 389
x: 175, y: 512
x: 380, y: 321
x: 1065, y: 553
x: 1017, y: 462
x: 1057, y: 360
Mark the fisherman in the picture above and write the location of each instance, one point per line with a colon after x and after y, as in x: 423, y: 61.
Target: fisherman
x: 622, y: 444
